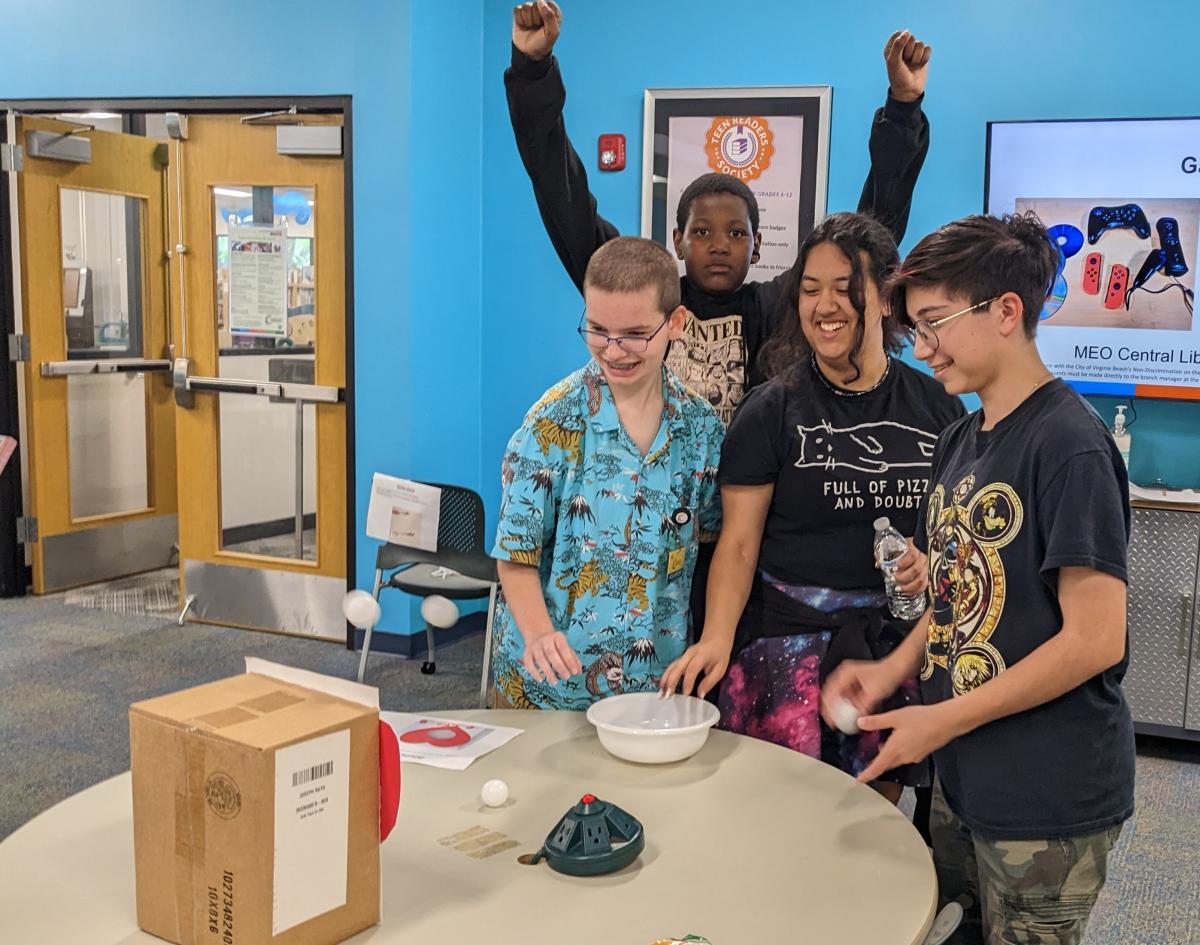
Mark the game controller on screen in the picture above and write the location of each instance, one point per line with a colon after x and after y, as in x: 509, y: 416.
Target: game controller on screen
x: 1167, y: 258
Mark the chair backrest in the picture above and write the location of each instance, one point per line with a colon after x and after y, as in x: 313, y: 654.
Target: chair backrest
x: 460, y: 521
x: 461, y: 539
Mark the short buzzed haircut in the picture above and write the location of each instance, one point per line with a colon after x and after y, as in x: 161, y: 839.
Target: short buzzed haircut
x: 630, y: 264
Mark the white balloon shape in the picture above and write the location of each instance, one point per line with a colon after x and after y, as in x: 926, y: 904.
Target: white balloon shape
x: 361, y: 609
x: 439, y: 612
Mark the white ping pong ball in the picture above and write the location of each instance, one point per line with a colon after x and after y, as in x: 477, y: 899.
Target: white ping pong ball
x: 845, y: 716
x: 494, y: 793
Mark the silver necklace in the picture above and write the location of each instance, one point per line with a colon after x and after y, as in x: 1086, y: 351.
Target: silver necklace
x: 843, y: 392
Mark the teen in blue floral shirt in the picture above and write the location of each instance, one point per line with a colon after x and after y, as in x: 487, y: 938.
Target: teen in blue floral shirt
x: 609, y: 486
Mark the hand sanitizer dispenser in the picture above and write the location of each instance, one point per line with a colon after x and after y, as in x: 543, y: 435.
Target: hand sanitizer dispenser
x: 1121, y: 435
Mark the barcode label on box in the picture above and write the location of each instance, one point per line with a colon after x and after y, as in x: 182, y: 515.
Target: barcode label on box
x: 312, y: 829
x: 314, y: 773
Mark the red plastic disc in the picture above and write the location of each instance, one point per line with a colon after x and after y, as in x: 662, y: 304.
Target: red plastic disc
x: 445, y: 735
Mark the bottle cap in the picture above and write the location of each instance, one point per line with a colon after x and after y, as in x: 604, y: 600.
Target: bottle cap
x: 883, y: 523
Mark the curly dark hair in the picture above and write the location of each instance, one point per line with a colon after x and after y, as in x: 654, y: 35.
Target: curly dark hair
x: 707, y: 184
x: 981, y: 257
x: 854, y: 234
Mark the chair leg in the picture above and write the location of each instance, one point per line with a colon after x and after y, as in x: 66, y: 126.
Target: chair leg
x: 429, y: 667
x: 487, y: 650
x: 366, y: 649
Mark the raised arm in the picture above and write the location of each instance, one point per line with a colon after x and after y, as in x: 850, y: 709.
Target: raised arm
x: 899, y: 135
x: 535, y: 105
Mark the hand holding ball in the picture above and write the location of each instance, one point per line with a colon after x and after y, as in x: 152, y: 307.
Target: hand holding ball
x: 494, y: 793
x: 845, y: 716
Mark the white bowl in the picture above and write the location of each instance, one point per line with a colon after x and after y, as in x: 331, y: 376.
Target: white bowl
x: 643, y: 727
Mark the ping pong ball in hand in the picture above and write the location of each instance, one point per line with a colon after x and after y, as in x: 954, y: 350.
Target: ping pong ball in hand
x: 845, y: 716
x: 494, y: 793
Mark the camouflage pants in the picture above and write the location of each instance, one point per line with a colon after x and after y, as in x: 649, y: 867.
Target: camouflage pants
x: 1017, y: 892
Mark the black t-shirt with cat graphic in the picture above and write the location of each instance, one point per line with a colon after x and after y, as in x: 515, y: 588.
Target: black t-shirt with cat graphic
x: 1044, y: 489
x: 838, y: 461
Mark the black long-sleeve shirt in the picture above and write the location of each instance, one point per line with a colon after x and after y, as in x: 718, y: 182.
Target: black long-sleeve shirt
x: 719, y: 350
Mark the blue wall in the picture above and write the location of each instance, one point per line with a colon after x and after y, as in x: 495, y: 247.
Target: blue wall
x: 1021, y: 59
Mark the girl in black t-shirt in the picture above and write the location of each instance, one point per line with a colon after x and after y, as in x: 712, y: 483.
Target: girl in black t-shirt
x: 841, y: 435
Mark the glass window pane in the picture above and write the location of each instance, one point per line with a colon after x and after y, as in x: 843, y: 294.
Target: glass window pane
x: 259, y: 449
x: 107, y: 444
x: 102, y: 274
x: 265, y: 277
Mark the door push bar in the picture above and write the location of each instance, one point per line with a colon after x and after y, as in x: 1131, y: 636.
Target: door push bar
x: 187, y: 385
x: 104, y: 366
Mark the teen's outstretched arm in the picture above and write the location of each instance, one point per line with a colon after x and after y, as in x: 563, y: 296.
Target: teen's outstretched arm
x: 899, y: 135
x: 535, y: 104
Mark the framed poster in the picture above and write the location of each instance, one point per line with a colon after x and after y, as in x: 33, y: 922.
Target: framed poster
x: 775, y: 139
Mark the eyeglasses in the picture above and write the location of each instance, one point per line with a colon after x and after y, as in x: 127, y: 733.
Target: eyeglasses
x: 926, y: 329
x: 631, y: 344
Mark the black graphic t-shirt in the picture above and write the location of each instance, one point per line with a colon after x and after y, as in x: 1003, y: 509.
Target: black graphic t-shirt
x: 712, y: 357
x: 837, y: 463
x: 717, y: 356
x: 1044, y: 489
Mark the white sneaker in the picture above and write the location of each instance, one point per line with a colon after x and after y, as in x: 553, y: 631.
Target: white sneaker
x: 944, y: 924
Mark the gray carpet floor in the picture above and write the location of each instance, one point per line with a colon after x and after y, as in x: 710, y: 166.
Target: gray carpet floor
x: 68, y: 674
x: 155, y: 593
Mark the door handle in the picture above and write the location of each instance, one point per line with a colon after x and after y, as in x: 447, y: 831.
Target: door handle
x: 223, y: 385
x: 1185, y: 615
x: 104, y: 366
x: 187, y: 385
x: 303, y: 393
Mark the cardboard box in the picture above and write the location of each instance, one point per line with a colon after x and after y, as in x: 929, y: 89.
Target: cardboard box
x: 256, y: 812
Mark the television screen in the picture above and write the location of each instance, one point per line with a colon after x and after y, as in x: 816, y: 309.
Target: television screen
x: 1121, y: 199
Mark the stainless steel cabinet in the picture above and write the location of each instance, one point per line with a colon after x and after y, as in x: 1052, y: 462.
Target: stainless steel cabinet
x: 1163, y: 681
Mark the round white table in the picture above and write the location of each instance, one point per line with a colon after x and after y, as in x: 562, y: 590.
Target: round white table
x: 745, y: 842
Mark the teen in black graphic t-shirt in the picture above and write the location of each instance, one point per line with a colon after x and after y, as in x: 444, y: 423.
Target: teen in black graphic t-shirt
x: 838, y: 460
x: 717, y: 234
x: 843, y: 434
x: 1023, y: 650
x: 1042, y: 490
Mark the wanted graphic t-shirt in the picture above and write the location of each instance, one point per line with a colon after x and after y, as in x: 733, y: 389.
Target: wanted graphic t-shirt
x: 838, y: 461
x: 721, y: 340
x: 1044, y: 489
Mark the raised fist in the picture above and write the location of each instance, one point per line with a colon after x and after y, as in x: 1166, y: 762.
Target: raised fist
x: 536, y: 27
x: 907, y: 61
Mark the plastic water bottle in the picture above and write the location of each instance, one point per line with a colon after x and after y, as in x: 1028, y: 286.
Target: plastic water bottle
x: 890, y: 547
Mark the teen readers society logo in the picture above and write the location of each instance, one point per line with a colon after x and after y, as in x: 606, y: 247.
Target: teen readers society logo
x: 739, y: 145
